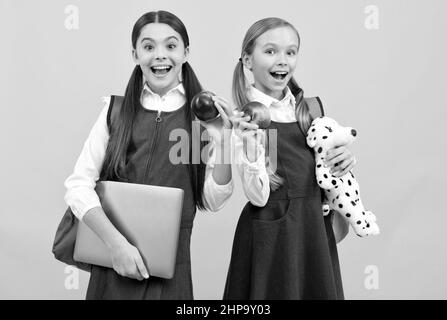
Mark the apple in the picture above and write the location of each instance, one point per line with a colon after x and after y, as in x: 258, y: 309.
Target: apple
x: 203, y: 106
x: 259, y: 114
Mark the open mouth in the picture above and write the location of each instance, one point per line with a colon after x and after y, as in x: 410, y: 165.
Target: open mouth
x: 161, y: 70
x: 279, y: 75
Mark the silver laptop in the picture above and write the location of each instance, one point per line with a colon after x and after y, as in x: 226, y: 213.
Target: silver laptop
x: 147, y: 216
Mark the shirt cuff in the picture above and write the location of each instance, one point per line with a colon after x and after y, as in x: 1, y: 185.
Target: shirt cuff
x: 216, y: 195
x: 81, y: 200
x: 253, y: 167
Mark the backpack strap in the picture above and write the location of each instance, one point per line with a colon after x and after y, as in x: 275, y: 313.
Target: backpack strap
x: 315, y: 107
x: 116, y: 103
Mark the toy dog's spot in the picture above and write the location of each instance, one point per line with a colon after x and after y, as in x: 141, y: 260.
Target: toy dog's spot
x: 340, y: 206
x: 320, y: 149
x: 334, y: 182
x: 347, y: 194
x: 324, y: 137
x: 348, y: 215
x: 353, y: 203
x: 325, y: 175
x: 349, y: 182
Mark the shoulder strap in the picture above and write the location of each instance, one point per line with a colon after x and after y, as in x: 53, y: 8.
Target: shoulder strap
x: 114, y: 109
x: 315, y: 107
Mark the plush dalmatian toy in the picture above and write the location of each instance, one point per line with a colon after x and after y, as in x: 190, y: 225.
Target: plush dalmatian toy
x: 342, y: 194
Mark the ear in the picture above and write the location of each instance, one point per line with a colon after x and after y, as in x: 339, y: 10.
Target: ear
x: 135, y: 56
x: 311, y: 142
x: 246, y: 60
x: 185, y: 59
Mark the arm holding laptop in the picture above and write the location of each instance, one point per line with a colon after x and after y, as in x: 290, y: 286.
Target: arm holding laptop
x: 126, y: 258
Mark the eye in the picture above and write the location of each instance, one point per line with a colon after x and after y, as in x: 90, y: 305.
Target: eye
x: 329, y: 129
x: 148, y: 47
x: 172, y: 46
x: 270, y: 51
x: 291, y: 52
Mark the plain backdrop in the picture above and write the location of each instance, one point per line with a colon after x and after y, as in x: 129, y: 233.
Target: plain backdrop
x: 389, y: 83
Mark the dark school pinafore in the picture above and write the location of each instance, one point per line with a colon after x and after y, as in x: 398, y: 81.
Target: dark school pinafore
x: 286, y: 249
x: 148, y: 163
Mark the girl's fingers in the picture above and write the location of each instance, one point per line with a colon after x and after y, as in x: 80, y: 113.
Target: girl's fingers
x: 220, y: 98
x: 237, y: 115
x: 244, y: 125
x: 337, y: 155
x: 132, y: 272
x: 141, y: 267
x: 221, y: 110
x: 335, y: 162
x: 345, y: 166
x: 237, y: 121
x: 223, y: 104
x: 335, y: 152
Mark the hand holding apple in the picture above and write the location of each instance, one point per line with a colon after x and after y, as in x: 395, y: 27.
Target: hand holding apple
x: 203, y: 106
x: 259, y: 114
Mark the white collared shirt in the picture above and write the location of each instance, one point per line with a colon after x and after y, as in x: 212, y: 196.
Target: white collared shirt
x: 80, y: 185
x: 172, y: 100
x: 255, y: 180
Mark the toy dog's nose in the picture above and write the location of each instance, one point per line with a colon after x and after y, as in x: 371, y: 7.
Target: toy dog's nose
x: 353, y: 132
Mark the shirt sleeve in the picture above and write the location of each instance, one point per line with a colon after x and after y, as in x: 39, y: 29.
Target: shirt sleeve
x: 215, y: 195
x: 254, y: 176
x: 80, y: 195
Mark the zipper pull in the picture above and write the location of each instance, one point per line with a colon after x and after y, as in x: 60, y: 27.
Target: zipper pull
x: 158, y: 119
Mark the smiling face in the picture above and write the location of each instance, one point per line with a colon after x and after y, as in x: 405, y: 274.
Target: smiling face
x: 273, y: 60
x: 160, y: 52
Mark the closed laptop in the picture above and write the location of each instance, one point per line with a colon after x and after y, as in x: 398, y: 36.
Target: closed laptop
x: 147, y: 216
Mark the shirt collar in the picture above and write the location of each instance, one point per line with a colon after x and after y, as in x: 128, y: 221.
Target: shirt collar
x: 179, y: 89
x: 259, y: 96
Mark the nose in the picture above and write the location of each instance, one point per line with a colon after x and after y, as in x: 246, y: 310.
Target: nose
x: 160, y: 54
x: 353, y: 132
x: 282, y: 59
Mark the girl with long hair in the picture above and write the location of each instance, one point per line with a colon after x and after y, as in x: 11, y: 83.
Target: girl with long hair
x: 284, y: 248
x: 133, y: 145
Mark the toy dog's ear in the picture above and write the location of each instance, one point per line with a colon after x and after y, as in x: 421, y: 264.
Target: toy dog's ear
x: 311, y: 142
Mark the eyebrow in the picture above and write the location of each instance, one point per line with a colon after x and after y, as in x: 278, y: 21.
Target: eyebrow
x: 167, y: 39
x: 275, y: 45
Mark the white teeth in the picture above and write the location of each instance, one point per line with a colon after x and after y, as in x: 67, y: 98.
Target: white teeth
x: 161, y: 67
x: 279, y: 75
